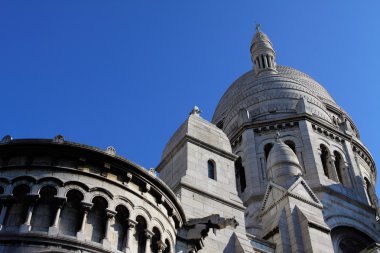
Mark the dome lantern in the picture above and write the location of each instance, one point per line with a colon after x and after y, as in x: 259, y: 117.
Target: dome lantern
x: 262, y: 53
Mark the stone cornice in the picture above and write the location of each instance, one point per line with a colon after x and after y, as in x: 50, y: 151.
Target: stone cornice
x: 211, y: 196
x: 191, y: 139
x: 64, y: 241
x: 300, y: 117
x: 115, y: 164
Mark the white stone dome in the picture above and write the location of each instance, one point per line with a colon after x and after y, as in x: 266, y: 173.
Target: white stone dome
x: 271, y: 96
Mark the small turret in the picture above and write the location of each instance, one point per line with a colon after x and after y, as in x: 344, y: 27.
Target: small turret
x: 283, y: 163
x: 262, y: 53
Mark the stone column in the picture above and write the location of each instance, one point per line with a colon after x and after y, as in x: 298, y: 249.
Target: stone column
x: 7, y: 201
x: 86, y: 208
x: 54, y: 228
x: 161, y: 246
x: 130, y: 224
x: 148, y: 236
x: 332, y: 169
x: 31, y: 200
x: 110, y: 215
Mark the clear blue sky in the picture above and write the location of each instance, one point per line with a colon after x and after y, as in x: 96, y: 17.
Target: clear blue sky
x: 126, y: 73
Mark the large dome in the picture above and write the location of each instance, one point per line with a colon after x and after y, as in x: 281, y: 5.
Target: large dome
x: 271, y: 96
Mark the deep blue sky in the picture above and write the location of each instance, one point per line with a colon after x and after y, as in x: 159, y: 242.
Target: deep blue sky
x: 126, y: 73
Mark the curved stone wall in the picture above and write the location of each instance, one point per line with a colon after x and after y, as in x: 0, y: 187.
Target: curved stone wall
x: 65, y: 197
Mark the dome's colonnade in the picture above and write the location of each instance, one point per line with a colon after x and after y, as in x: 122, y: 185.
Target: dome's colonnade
x: 59, y: 196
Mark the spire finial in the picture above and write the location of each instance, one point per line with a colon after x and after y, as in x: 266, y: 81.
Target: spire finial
x: 277, y: 137
x: 258, y: 26
x: 196, y: 111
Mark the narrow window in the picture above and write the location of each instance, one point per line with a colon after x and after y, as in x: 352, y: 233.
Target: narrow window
x: 258, y: 61
x: 156, y: 238
x: 71, y: 213
x: 291, y: 145
x: 43, y: 211
x: 240, y: 175
x: 120, y: 227
x: 167, y: 249
x: 267, y: 149
x: 97, y: 218
x: 19, y: 208
x: 140, y: 234
x: 263, y: 61
x: 211, y: 169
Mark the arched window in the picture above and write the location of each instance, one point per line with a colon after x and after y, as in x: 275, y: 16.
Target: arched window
x: 349, y: 240
x: 368, y: 191
x: 97, y: 218
x: 241, y: 183
x: 168, y: 247
x: 324, y: 158
x: 43, y: 211
x: 120, y: 226
x: 71, y: 213
x: 291, y: 145
x: 156, y: 238
x: 18, y: 210
x: 267, y: 149
x: 211, y: 169
x: 140, y: 234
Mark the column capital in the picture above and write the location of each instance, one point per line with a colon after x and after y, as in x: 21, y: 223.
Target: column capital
x: 161, y: 245
x: 86, y: 206
x: 60, y: 201
x: 131, y: 223
x: 148, y: 234
x: 32, y: 198
x: 7, y: 199
x: 110, y: 213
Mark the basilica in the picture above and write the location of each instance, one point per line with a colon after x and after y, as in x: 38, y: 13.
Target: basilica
x: 280, y: 168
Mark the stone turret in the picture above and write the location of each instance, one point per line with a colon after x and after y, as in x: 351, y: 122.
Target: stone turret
x: 262, y: 53
x: 283, y: 163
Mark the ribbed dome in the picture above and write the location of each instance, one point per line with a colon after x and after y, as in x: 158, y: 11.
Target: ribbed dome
x: 271, y: 96
x: 283, y: 163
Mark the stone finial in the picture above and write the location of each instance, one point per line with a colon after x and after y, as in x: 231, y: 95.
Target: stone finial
x: 196, y: 111
x: 59, y: 138
x: 277, y: 137
x: 152, y: 171
x: 258, y: 27
x: 111, y: 150
x: 6, y: 139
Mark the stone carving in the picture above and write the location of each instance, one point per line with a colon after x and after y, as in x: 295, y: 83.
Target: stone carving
x: 111, y: 150
x: 199, y: 228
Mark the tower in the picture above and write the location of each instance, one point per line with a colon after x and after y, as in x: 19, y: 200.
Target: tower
x: 336, y: 173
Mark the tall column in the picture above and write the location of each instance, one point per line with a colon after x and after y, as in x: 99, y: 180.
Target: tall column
x: 130, y: 225
x: 86, y: 208
x: 333, y: 171
x: 54, y: 228
x: 31, y: 200
x: 161, y: 246
x: 7, y: 201
x: 110, y: 215
x: 148, y: 236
